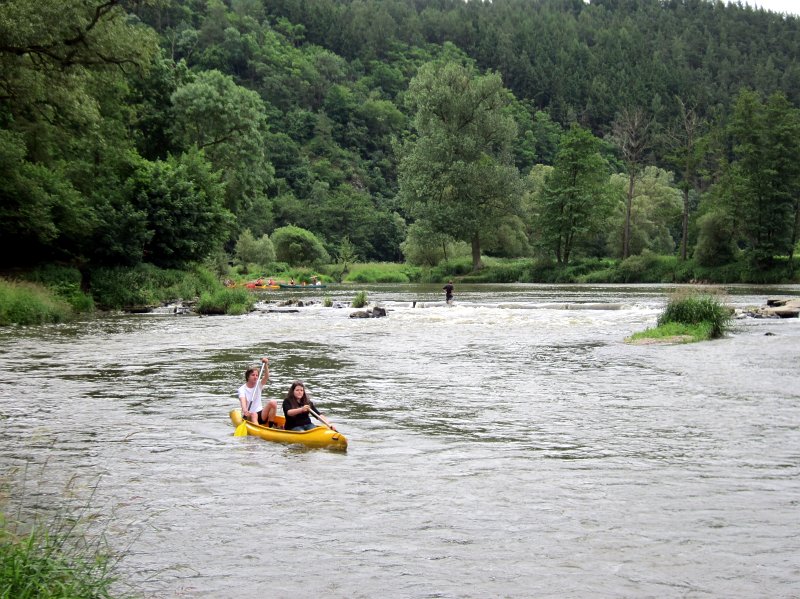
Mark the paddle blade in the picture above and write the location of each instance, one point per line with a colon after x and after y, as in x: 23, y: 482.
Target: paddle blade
x: 241, y: 430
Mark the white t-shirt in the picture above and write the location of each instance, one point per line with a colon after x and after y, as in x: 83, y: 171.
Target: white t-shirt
x: 252, y: 397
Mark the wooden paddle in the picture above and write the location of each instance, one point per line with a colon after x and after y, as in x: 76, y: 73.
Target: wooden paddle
x: 318, y: 417
x: 241, y: 430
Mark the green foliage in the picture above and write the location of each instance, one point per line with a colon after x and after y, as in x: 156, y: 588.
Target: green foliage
x: 255, y: 251
x: 53, y: 546
x: 360, y: 300
x: 65, y: 282
x: 376, y: 276
x: 147, y: 286
x: 383, y: 272
x: 764, y: 179
x: 298, y: 247
x: 228, y: 123
x: 346, y: 253
x: 647, y: 267
x: 575, y: 201
x: 327, y: 301
x: 425, y: 247
x: 676, y: 331
x: 457, y: 172
x: 226, y: 301
x: 29, y: 303
x: 41, y: 214
x: 715, y: 239
x: 183, y: 201
x: 695, y: 309
x: 656, y: 207
x: 293, y: 114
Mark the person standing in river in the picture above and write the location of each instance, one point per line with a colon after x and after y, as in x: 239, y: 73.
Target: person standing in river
x: 448, y: 292
x: 250, y: 397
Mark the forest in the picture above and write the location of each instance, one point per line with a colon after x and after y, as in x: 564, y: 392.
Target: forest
x: 171, y: 132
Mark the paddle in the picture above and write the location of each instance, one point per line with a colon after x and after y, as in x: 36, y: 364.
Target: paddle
x: 318, y: 417
x: 241, y: 430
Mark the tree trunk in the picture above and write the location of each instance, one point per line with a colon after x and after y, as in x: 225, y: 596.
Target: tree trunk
x: 685, y: 224
x: 795, y: 233
x: 626, y: 236
x: 477, y: 264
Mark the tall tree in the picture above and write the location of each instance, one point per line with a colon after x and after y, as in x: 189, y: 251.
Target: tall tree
x: 631, y: 133
x: 575, y: 200
x: 766, y: 179
x: 227, y: 122
x: 686, y: 148
x: 457, y: 171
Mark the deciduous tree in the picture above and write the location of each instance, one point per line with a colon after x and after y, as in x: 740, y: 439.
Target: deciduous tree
x: 456, y: 171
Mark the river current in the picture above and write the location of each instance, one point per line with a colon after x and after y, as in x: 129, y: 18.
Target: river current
x: 511, y: 445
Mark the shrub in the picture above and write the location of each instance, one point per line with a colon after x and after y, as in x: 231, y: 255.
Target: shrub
x: 369, y: 275
x: 225, y: 301
x: 65, y: 282
x: 257, y: 251
x: 28, y: 303
x: 696, y: 309
x: 147, y: 285
x: 360, y: 300
x: 298, y: 247
x: 715, y: 240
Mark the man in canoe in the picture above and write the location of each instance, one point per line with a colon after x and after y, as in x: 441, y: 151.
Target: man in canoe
x: 250, y: 397
x: 297, y: 408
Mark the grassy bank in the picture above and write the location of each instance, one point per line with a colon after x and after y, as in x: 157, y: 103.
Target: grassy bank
x: 689, y: 318
x: 29, y: 303
x: 56, y: 294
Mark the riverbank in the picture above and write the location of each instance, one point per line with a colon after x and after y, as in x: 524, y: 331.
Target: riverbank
x: 52, y: 294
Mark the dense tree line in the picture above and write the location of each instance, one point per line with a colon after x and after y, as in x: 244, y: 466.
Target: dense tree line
x: 135, y: 131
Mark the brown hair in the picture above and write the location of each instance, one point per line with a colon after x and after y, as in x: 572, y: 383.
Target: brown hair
x: 290, y: 394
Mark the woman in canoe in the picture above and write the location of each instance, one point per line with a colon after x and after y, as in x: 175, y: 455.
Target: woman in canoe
x: 297, y: 408
x: 250, y: 397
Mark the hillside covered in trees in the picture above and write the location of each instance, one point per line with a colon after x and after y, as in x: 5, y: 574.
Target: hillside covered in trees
x: 171, y: 131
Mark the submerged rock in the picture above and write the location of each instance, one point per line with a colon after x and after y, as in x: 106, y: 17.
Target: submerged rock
x: 374, y: 312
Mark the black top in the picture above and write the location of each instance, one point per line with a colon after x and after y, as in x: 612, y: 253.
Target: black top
x: 299, y: 420
x: 448, y: 290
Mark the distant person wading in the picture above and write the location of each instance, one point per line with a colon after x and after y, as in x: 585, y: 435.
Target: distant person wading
x: 448, y: 292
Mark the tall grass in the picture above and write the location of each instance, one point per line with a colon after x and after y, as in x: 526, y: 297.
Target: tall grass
x: 65, y: 282
x: 29, y: 303
x: 360, y: 300
x: 697, y: 309
x: 226, y: 301
x: 55, y: 555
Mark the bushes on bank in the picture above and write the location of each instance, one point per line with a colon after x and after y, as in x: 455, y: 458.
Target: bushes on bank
x: 148, y: 286
x: 29, y: 303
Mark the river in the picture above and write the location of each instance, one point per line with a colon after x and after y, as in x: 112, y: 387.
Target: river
x: 512, y: 445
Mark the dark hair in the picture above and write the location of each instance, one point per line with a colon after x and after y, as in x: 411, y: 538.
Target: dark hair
x: 290, y: 394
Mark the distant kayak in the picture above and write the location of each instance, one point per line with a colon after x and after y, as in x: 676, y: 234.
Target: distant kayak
x: 254, y: 286
x: 321, y: 436
x: 287, y: 286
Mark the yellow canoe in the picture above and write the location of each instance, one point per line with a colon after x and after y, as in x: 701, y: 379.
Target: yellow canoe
x: 321, y: 436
